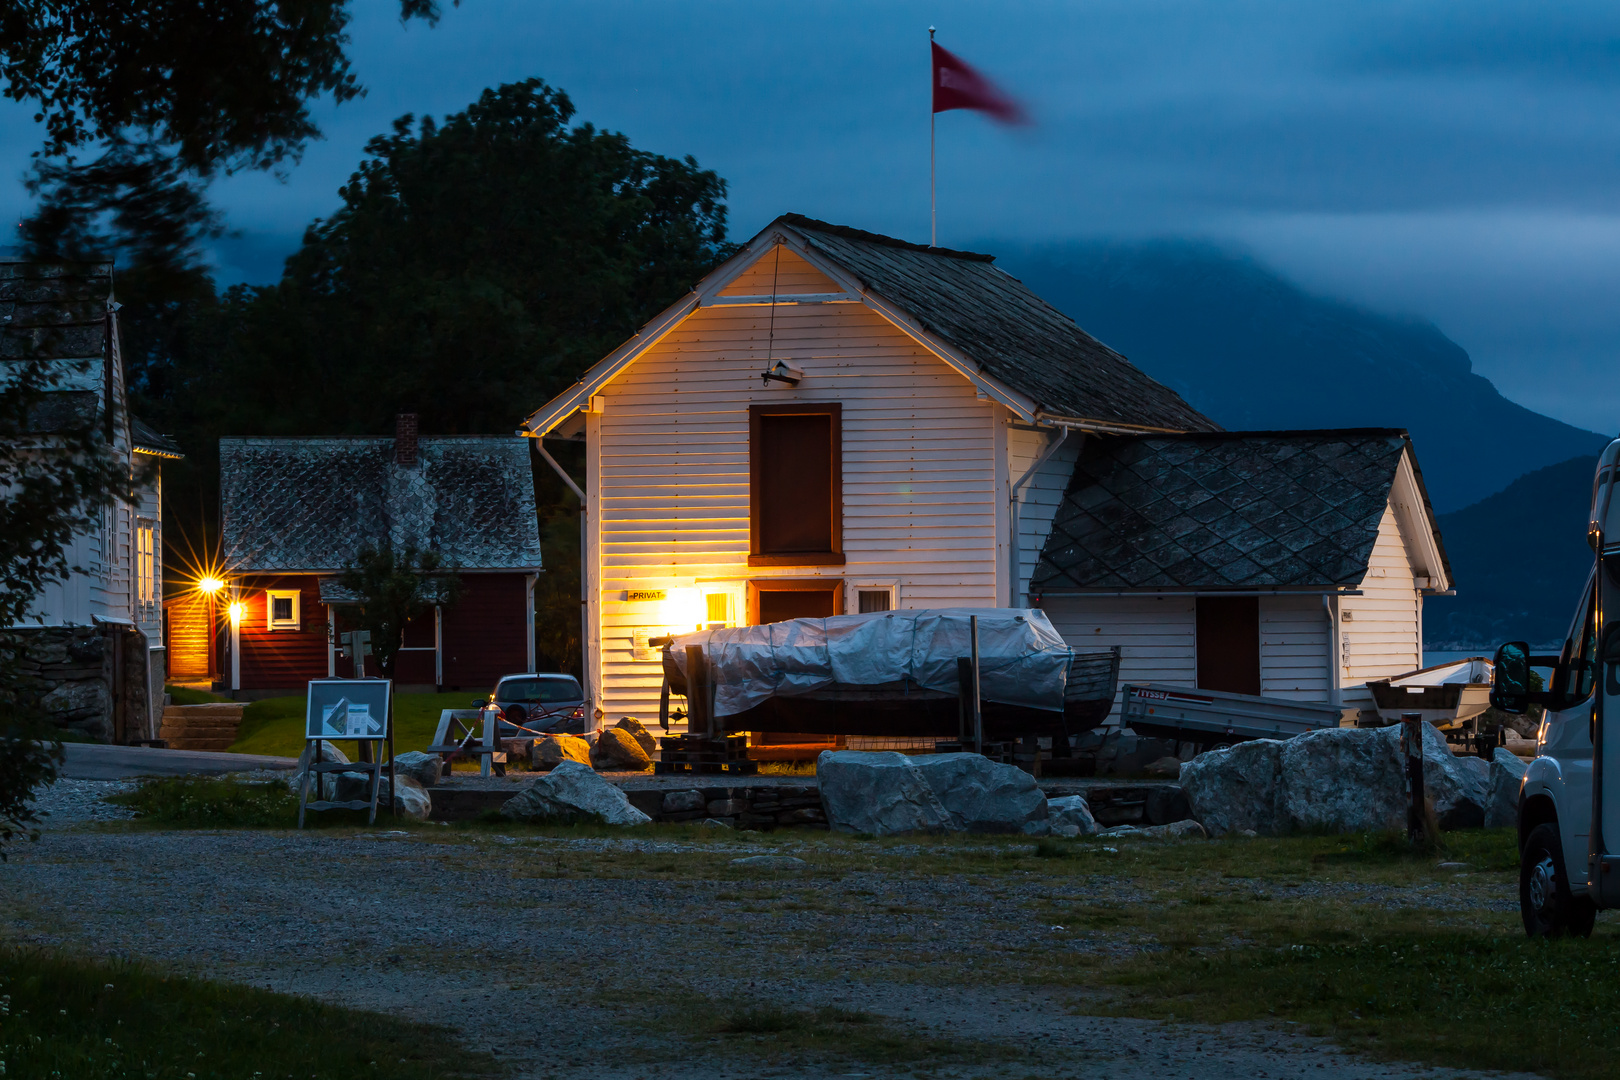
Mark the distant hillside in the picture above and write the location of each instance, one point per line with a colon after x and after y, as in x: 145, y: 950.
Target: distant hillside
x: 1251, y: 350
x: 1520, y: 559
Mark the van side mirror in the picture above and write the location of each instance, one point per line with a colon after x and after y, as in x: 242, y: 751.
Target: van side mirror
x: 1510, y: 678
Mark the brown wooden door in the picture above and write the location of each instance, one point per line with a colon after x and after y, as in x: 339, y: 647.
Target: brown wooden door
x: 775, y: 606
x: 1229, y: 644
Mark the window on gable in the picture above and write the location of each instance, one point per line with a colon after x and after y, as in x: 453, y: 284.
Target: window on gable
x: 796, y: 497
x: 281, y: 609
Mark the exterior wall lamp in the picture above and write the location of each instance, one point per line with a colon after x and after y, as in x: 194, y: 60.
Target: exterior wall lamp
x: 780, y: 372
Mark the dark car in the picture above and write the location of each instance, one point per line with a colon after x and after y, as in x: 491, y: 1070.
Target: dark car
x: 545, y: 704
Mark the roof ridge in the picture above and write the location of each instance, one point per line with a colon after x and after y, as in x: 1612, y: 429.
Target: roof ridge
x: 851, y: 233
x: 1268, y: 433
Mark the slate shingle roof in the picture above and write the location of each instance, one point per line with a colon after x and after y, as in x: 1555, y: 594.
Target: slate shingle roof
x: 152, y: 441
x: 311, y: 504
x: 1228, y: 510
x: 1012, y: 334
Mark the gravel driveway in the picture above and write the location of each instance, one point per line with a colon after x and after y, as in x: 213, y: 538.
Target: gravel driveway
x: 607, y: 958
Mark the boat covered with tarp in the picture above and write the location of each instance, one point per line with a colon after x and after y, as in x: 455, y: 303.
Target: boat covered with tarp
x: 897, y: 673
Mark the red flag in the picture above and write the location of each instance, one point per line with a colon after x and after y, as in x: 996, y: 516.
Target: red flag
x: 959, y: 86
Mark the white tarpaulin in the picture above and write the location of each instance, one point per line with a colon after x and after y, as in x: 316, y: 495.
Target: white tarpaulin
x: 1022, y: 659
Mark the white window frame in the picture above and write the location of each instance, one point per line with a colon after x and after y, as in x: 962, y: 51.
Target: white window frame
x: 735, y: 602
x: 852, y: 602
x: 146, y: 582
x: 271, y: 623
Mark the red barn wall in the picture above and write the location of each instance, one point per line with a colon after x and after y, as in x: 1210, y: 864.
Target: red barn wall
x: 282, y: 658
x: 485, y: 631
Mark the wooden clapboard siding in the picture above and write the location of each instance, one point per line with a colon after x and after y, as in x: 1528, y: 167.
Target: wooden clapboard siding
x: 280, y: 659
x: 188, y: 634
x: 670, y: 481
x: 484, y: 633
x: 1156, y: 635
x: 1041, y: 495
x: 1381, y: 625
x: 789, y: 271
x: 1294, y: 648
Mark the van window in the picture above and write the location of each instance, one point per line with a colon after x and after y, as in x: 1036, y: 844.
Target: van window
x: 1580, y: 653
x: 543, y: 691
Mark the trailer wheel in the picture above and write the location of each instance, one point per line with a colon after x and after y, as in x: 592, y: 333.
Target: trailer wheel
x: 1547, y: 906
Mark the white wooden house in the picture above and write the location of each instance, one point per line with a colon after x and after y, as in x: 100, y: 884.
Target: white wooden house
x: 93, y: 641
x: 838, y: 421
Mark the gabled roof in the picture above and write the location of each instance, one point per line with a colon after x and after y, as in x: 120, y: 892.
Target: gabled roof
x: 148, y: 440
x: 986, y: 324
x: 1231, y: 510
x: 311, y: 504
x: 996, y: 321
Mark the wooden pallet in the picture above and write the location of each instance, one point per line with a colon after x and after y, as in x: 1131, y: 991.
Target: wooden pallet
x: 695, y: 754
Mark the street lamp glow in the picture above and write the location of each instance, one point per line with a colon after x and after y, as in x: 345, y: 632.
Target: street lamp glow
x: 210, y: 585
x: 237, y: 610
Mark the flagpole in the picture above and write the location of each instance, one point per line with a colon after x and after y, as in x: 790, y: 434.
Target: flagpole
x: 933, y: 189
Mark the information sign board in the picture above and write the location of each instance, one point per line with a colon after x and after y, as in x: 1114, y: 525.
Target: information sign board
x: 347, y: 709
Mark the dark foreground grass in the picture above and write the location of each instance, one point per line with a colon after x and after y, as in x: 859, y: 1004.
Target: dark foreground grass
x: 202, y: 802
x: 833, y: 1033
x: 82, y: 1019
x: 1451, y: 997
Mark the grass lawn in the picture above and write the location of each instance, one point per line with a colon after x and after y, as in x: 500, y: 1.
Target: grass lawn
x: 276, y: 725
x: 99, y: 1020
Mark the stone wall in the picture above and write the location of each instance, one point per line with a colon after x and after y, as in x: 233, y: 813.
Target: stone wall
x: 94, y: 680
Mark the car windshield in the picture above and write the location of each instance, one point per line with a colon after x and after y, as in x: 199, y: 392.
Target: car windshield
x: 545, y: 690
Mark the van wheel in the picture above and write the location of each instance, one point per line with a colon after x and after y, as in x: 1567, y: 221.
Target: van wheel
x: 1548, y: 907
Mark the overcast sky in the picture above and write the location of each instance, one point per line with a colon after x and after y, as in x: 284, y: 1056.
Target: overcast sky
x: 1460, y: 161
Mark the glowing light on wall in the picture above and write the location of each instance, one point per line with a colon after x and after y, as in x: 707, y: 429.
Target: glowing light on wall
x: 682, y: 608
x: 238, y: 609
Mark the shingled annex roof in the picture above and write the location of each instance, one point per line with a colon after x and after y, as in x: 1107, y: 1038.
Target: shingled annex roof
x: 311, y: 504
x: 1227, y: 510
x: 1012, y: 334
x: 149, y: 440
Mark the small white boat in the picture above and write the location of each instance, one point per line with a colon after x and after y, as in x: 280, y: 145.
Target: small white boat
x: 1447, y: 695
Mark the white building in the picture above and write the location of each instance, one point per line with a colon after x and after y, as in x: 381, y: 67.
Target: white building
x: 94, y: 640
x: 838, y: 421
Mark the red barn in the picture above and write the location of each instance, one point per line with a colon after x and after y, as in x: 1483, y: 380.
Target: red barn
x: 294, y: 512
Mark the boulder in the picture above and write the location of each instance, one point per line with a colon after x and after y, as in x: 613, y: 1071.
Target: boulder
x: 1502, y: 793
x: 983, y: 796
x: 638, y: 732
x: 423, y: 768
x: 411, y: 801
x: 411, y: 798
x: 1071, y: 812
x: 1335, y: 779
x: 1235, y: 789
x: 617, y: 749
x: 330, y: 755
x: 1178, y: 830
x: 553, y: 750
x: 683, y: 802
x: 1344, y: 780
x: 571, y: 793
x: 879, y: 793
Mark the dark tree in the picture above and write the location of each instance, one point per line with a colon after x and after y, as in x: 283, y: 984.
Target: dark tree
x: 163, y: 95
x: 57, y: 475
x: 393, y: 588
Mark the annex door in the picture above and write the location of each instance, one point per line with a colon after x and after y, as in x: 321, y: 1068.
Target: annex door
x: 774, y: 601
x: 1228, y: 643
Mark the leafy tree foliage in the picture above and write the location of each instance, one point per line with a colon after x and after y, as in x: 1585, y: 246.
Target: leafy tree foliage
x: 57, y: 476
x: 395, y: 587
x: 167, y: 94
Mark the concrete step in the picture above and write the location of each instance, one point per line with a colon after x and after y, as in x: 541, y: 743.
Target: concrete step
x: 217, y: 745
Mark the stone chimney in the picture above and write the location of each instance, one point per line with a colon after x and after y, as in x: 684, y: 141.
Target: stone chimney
x: 405, y: 439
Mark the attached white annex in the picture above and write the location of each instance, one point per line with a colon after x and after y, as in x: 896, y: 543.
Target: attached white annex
x: 835, y: 421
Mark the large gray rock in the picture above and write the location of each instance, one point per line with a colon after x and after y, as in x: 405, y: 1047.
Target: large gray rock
x: 572, y: 793
x: 1071, y: 811
x: 330, y: 755
x: 683, y: 802
x: 1235, y: 789
x: 553, y: 750
x: 885, y: 793
x: 1337, y: 779
x: 1342, y: 780
x: 880, y: 793
x: 1502, y: 794
x: 638, y: 731
x: 423, y: 768
x: 617, y: 749
x: 983, y: 796
x: 1176, y: 830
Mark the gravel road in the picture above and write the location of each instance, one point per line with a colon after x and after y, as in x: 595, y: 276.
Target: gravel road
x: 605, y: 959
